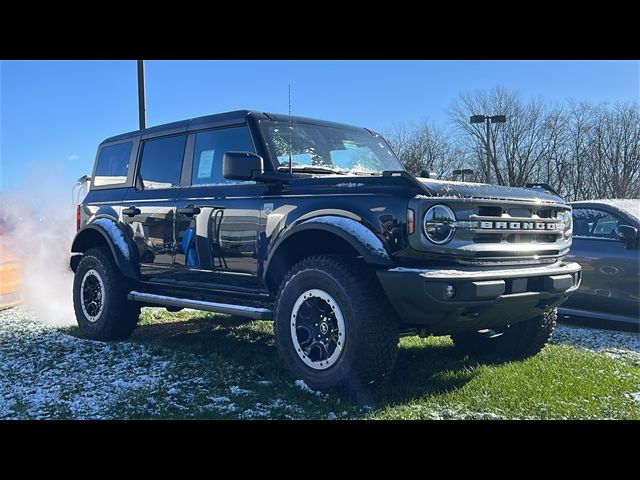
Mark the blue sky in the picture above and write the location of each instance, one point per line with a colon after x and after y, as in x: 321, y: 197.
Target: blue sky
x: 54, y: 113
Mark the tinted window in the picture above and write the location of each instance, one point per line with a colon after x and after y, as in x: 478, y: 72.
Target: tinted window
x: 113, y: 164
x: 209, y: 150
x: 162, y: 162
x: 594, y: 223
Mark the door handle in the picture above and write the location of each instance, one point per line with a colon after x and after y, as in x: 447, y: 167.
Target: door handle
x: 131, y: 211
x: 188, y: 211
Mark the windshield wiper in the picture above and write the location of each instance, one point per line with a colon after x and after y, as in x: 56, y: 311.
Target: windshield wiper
x: 312, y: 169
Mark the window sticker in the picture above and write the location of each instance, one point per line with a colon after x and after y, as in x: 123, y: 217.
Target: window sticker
x: 350, y: 145
x: 205, y: 166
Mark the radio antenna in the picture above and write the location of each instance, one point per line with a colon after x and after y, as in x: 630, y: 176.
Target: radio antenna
x: 290, y: 167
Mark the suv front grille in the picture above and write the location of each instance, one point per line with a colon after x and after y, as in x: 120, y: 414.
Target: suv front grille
x: 536, y: 237
x: 517, y: 224
x: 493, y: 231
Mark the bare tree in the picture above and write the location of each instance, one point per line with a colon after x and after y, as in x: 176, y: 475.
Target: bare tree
x: 516, y: 147
x: 424, y: 146
x: 580, y: 149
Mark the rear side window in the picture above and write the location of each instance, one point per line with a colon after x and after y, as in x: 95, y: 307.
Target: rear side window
x: 113, y: 164
x: 161, y: 162
x: 209, y: 151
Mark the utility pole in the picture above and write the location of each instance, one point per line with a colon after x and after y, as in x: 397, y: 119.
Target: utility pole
x: 488, y: 120
x: 142, y: 109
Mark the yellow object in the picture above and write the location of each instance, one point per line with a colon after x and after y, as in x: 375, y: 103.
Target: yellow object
x: 10, y: 280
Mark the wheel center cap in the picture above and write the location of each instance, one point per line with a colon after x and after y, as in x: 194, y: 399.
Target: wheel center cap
x: 324, y: 328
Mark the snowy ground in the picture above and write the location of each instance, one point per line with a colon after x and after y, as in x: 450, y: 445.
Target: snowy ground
x: 620, y: 345
x: 47, y: 373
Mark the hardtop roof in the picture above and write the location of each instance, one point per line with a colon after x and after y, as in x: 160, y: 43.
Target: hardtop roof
x: 220, y: 120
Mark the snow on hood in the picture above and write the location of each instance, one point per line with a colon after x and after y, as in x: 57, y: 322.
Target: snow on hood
x: 485, y: 190
x: 631, y: 206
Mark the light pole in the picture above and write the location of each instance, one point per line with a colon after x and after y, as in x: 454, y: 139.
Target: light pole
x: 142, y: 110
x: 488, y: 120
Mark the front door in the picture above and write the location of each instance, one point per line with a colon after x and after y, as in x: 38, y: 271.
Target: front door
x: 218, y: 220
x: 609, y: 270
x: 149, y: 208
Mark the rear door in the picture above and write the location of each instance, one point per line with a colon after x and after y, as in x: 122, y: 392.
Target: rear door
x: 609, y: 270
x: 217, y: 220
x: 149, y: 206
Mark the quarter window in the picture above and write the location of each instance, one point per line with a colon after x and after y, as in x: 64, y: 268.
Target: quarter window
x: 161, y: 162
x: 113, y: 164
x: 209, y: 150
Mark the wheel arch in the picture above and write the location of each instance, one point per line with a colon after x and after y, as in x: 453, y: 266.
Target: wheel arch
x: 319, y: 235
x: 99, y: 235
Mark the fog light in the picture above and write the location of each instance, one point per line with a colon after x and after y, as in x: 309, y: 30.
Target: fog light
x: 450, y: 291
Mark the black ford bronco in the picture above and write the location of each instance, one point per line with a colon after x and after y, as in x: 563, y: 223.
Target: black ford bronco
x: 317, y: 226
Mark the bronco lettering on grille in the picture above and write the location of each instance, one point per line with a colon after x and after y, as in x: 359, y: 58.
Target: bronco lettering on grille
x: 519, y: 226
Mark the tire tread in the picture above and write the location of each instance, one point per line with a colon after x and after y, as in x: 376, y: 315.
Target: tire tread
x: 121, y: 314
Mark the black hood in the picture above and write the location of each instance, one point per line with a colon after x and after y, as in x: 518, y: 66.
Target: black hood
x: 442, y: 188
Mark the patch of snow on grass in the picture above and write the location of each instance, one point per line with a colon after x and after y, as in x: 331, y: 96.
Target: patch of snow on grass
x: 305, y: 388
x: 635, y: 396
x: 47, y: 373
x: 235, y: 390
x: 619, y: 345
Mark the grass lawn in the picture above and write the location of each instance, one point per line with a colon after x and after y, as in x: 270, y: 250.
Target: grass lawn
x: 199, y: 365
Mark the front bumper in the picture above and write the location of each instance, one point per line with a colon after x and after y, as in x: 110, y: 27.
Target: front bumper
x: 487, y: 298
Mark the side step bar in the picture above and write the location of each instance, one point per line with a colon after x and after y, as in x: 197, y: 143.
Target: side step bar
x: 239, y: 310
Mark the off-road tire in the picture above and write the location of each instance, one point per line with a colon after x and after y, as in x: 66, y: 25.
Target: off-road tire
x: 371, y: 323
x: 519, y: 341
x: 119, y: 316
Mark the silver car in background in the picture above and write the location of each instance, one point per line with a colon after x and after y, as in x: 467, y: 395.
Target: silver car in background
x: 605, y: 244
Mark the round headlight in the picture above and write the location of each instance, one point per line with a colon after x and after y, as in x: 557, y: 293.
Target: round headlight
x: 438, y: 224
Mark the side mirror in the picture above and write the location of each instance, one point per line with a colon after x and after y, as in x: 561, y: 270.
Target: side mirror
x: 628, y: 234
x: 241, y: 165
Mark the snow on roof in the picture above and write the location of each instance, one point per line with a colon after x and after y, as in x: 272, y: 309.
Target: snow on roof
x: 631, y: 206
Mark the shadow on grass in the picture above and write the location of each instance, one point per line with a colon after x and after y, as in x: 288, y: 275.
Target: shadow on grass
x: 422, y: 369
x: 228, y: 338
x: 428, y: 370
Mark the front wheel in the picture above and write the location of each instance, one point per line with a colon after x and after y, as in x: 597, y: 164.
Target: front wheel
x: 333, y: 323
x: 518, y: 341
x: 100, y: 298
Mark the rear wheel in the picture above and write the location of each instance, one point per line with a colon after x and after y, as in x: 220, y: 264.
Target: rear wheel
x: 520, y: 340
x: 100, y: 298
x: 333, y: 323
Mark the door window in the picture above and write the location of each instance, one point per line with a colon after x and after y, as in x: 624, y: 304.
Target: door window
x: 209, y: 150
x: 594, y: 223
x: 161, y: 162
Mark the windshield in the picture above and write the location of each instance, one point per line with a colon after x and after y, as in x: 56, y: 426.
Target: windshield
x: 317, y: 148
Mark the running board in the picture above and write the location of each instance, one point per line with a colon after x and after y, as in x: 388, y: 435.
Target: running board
x: 239, y: 310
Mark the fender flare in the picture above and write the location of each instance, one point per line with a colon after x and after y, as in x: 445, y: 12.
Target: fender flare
x: 356, y: 234
x: 122, y: 248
